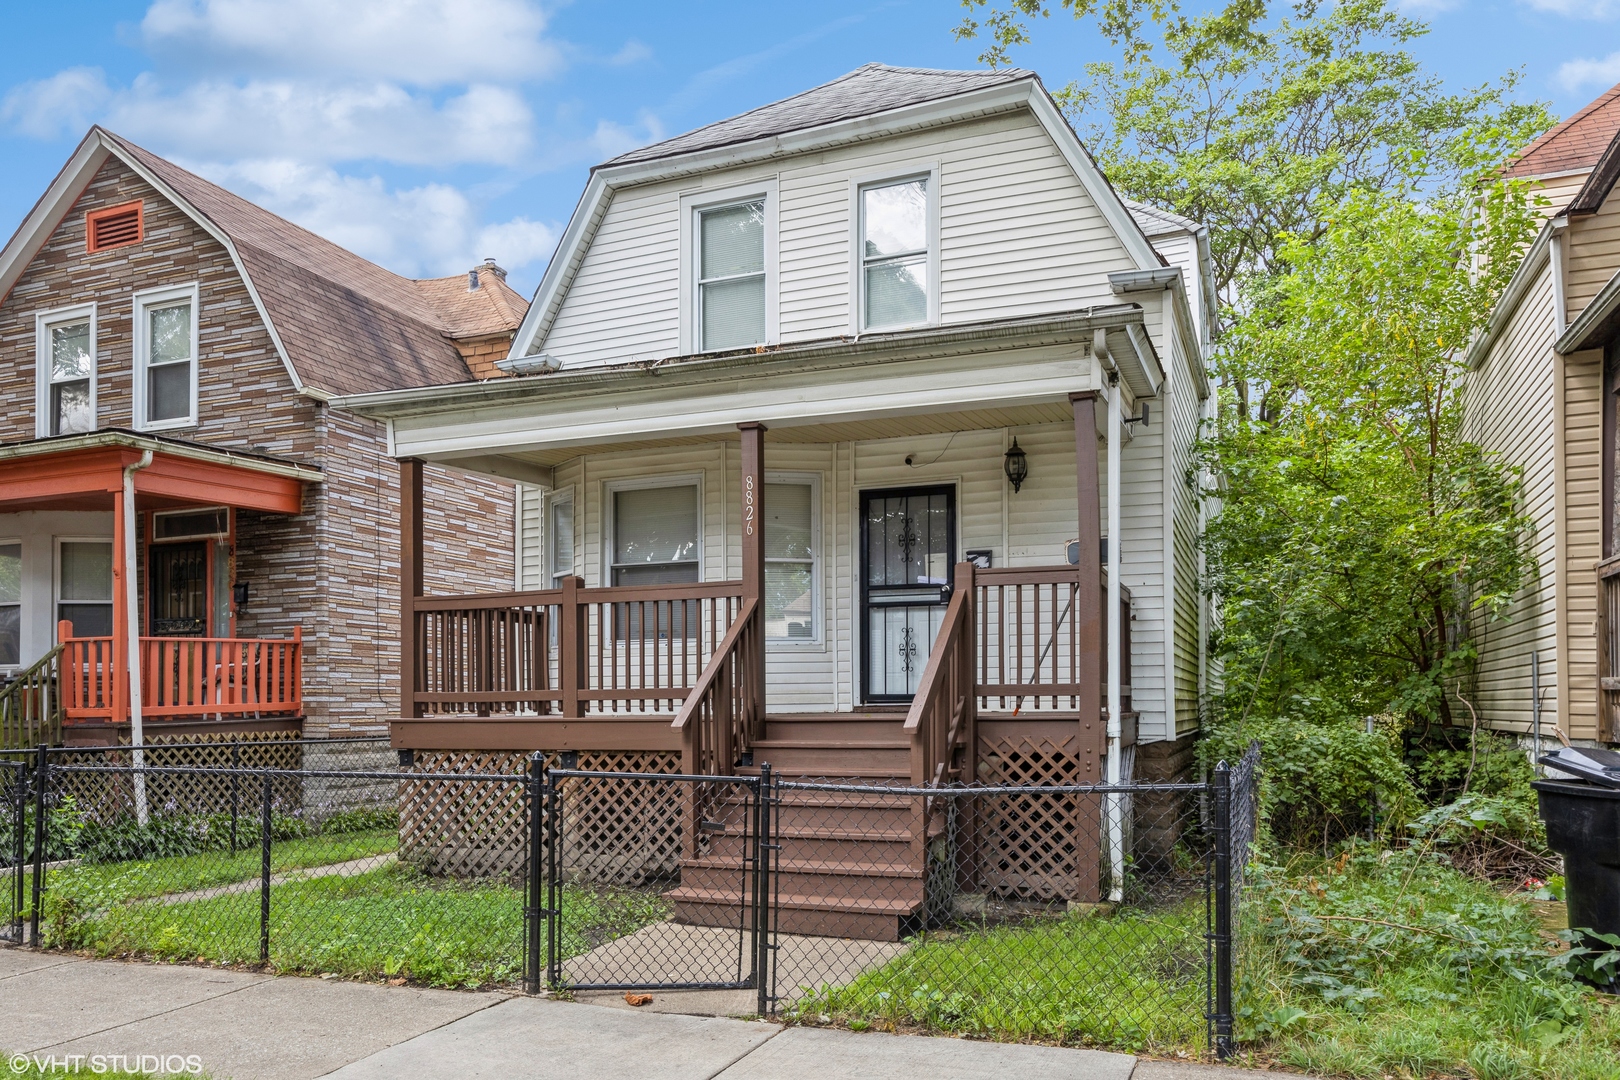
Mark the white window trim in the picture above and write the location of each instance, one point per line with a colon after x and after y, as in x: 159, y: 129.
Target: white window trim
x: 43, y: 322
x: 548, y: 566
x: 143, y: 302
x: 609, y: 525
x: 56, y: 576
x: 818, y: 639
x: 693, y: 204
x: 22, y: 585
x: 857, y: 289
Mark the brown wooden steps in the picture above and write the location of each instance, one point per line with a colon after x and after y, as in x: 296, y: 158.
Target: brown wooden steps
x: 848, y: 864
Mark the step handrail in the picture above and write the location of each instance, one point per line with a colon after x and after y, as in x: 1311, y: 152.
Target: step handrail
x: 18, y: 704
x: 945, y: 708
x: 727, y: 679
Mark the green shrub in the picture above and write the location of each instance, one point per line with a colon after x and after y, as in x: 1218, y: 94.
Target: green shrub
x: 62, y: 826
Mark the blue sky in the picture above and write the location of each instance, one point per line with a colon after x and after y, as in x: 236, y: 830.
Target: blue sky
x: 428, y: 134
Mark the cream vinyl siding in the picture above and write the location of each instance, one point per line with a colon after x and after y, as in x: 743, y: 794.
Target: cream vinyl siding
x: 1018, y: 235
x: 1583, y: 535
x: 531, y: 537
x: 1593, y: 244
x: 1030, y: 528
x: 1510, y: 411
x: 1182, y: 414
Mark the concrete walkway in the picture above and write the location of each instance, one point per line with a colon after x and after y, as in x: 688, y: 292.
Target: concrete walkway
x: 262, y: 1027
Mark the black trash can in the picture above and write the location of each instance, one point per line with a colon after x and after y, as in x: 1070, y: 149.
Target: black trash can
x: 1583, y: 825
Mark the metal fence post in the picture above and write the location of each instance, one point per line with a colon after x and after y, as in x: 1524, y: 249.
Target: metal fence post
x: 1221, y: 807
x: 553, y: 826
x: 535, y: 909
x: 42, y: 770
x: 236, y: 790
x: 762, y: 885
x: 19, y: 848
x: 264, y: 873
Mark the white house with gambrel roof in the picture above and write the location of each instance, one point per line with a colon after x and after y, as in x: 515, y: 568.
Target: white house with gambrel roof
x: 832, y: 405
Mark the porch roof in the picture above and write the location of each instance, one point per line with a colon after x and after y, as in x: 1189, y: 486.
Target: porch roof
x: 81, y: 472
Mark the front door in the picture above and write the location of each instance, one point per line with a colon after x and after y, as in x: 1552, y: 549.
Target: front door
x: 908, y: 546
x: 177, y: 580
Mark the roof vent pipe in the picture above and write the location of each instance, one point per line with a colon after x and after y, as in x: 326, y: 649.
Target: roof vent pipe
x: 472, y: 280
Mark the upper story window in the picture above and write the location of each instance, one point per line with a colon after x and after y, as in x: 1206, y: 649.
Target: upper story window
x: 166, y: 358
x: 114, y: 226
x: 65, y: 363
x: 894, y: 254
x: 731, y: 276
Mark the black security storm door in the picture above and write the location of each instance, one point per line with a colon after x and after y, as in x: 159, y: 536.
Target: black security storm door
x: 908, y: 546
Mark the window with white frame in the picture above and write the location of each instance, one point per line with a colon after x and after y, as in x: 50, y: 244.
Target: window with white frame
x: 655, y: 534
x: 66, y: 358
x: 10, y: 603
x: 790, y: 561
x: 166, y: 358
x: 731, y: 276
x: 894, y: 228
x: 84, y: 586
x: 559, y: 538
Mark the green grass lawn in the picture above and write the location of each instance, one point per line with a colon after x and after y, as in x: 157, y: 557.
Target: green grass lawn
x: 382, y: 922
x: 1132, y: 980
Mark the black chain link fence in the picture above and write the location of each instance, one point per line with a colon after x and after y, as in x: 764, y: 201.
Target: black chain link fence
x: 1083, y: 915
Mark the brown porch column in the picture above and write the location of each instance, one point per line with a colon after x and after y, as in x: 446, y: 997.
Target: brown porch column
x: 1088, y: 600
x: 753, y: 549
x: 410, y: 579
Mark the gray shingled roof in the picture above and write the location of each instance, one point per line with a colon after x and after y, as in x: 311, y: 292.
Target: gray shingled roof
x: 874, y: 88
x: 349, y: 326
x: 1156, y: 222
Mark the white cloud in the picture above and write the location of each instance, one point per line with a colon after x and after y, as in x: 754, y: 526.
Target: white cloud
x: 1578, y: 9
x: 416, y: 42
x: 44, y: 108
x: 428, y: 231
x: 633, y: 52
x: 1577, y: 75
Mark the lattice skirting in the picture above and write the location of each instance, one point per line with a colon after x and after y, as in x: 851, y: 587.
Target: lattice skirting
x: 615, y: 832
x: 108, y: 795
x: 1033, y: 848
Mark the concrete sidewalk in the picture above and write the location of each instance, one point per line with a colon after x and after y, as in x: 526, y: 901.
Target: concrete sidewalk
x: 262, y: 1027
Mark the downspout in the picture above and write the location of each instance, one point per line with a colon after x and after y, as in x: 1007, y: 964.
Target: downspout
x: 132, y: 613
x: 1114, y: 804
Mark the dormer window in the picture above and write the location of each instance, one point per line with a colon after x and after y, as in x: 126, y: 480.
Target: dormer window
x: 65, y: 365
x: 731, y: 276
x: 894, y: 254
x: 114, y: 226
x: 166, y: 358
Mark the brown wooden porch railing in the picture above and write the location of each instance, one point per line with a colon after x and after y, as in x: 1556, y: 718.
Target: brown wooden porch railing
x: 570, y: 651
x: 31, y: 705
x: 1028, y: 645
x: 187, y: 678
x: 943, y: 712
x: 722, y: 717
x: 1608, y: 649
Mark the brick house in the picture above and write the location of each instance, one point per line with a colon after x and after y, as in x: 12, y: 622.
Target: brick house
x: 167, y: 352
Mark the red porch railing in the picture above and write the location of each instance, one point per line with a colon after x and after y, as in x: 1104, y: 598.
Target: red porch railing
x: 185, y: 678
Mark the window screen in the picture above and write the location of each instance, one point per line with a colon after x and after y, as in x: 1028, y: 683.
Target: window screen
x: 72, y: 368
x: 168, y: 363
x: 655, y: 535
x: 560, y: 540
x: 894, y: 254
x: 789, y: 563
x: 731, y: 276
x: 10, y: 604
x: 84, y: 587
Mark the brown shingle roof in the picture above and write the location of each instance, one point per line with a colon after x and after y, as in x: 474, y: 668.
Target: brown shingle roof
x: 348, y: 325
x: 492, y: 308
x: 1575, y: 144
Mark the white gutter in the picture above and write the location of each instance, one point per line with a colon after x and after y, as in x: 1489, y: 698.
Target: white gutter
x: 132, y: 629
x: 1555, y: 252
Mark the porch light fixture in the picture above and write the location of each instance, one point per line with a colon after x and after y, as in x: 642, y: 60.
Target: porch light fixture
x: 239, y: 594
x: 1016, y: 463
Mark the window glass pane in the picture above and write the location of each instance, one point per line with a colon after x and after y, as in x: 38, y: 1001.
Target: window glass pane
x: 70, y: 351
x: 733, y: 313
x: 655, y: 525
x: 10, y: 573
x: 171, y: 334
x: 894, y: 219
x: 561, y: 536
x: 733, y: 241
x: 89, y: 620
x: 789, y: 611
x: 86, y: 571
x: 198, y: 523
x: 70, y: 408
x: 11, y: 635
x: 897, y: 292
x: 169, y: 392
x: 657, y: 574
x: 787, y: 521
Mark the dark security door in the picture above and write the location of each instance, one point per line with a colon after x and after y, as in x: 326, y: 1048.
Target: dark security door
x: 177, y: 580
x: 908, y: 546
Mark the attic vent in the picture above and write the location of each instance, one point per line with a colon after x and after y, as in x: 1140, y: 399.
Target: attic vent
x: 113, y: 227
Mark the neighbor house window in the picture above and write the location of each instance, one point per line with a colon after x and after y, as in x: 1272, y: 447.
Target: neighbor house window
x: 731, y: 276
x: 166, y: 357
x: 894, y: 254
x: 790, y: 552
x: 655, y: 535
x: 560, y: 538
x: 10, y: 603
x: 84, y: 586
x: 66, y: 364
